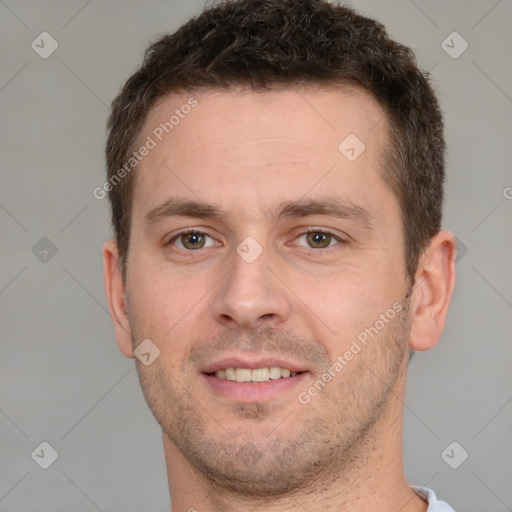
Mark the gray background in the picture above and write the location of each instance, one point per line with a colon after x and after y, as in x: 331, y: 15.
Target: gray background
x: 62, y: 379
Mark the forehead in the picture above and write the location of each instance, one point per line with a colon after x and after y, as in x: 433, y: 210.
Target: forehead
x: 283, y: 141
x: 312, y: 114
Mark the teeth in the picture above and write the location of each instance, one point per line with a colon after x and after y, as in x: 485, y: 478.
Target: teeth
x: 257, y: 375
x: 260, y: 375
x: 243, y: 375
x: 275, y: 372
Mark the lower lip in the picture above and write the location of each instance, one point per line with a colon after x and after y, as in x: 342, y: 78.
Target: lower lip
x: 253, y: 391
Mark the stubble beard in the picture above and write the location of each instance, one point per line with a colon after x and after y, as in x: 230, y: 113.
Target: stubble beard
x: 331, y: 443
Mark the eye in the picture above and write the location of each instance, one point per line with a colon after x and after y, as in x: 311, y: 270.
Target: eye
x: 192, y: 240
x: 318, y: 239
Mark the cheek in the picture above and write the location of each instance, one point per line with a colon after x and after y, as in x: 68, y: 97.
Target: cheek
x: 342, y: 304
x: 156, y: 302
x: 167, y: 307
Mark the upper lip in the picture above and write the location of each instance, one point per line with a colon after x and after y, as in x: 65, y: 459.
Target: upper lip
x: 253, y: 363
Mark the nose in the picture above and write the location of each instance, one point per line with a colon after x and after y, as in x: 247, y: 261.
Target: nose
x: 250, y: 295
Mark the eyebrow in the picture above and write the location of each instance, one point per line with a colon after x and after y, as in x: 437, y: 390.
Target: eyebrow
x: 339, y: 208
x: 175, y: 207
x: 332, y: 207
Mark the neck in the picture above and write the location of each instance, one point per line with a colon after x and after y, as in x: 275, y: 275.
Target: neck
x: 369, y: 478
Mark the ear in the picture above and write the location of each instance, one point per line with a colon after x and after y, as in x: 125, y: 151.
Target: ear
x: 114, y: 289
x: 435, y: 280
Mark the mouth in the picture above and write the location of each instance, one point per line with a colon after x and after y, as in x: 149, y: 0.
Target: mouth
x: 253, y: 375
x: 249, y: 381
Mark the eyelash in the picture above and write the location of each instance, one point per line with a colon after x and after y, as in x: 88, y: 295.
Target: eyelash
x: 339, y: 241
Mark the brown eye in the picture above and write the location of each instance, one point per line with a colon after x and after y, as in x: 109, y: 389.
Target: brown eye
x: 318, y: 239
x: 193, y: 240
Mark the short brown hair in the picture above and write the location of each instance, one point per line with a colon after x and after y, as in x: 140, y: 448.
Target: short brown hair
x: 265, y: 44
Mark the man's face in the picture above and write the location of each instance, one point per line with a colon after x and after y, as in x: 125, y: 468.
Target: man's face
x: 292, y: 249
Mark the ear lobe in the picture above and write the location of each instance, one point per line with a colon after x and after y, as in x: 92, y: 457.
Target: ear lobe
x: 435, y: 280
x: 115, y: 292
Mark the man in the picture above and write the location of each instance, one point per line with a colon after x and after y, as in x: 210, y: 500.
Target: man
x: 275, y: 171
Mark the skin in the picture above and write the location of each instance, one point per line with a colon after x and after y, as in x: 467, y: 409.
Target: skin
x: 249, y: 153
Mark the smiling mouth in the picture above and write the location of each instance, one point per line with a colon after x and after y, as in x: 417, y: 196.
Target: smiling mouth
x: 253, y: 375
